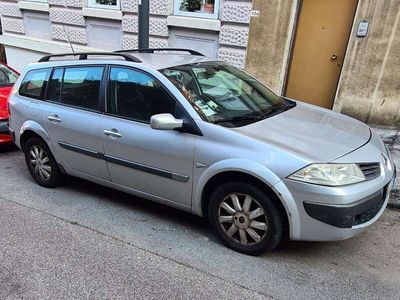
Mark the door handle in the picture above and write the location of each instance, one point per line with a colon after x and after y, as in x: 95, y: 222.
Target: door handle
x: 334, y: 56
x: 112, y: 133
x: 54, y: 118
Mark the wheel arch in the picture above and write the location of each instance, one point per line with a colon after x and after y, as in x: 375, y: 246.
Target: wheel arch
x: 32, y: 129
x: 258, y: 175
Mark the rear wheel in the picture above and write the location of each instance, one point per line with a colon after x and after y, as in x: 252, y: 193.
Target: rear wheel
x: 41, y: 163
x: 245, y: 218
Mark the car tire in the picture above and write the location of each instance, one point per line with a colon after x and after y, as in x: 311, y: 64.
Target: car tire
x: 41, y: 163
x: 245, y: 218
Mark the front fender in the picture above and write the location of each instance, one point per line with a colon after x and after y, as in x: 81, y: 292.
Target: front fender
x: 258, y: 171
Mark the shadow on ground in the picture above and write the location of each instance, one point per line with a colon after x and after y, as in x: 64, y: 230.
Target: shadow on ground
x: 8, y: 148
x: 159, y: 211
x: 181, y: 218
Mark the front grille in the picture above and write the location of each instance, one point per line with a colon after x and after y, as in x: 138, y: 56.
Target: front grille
x: 370, y: 170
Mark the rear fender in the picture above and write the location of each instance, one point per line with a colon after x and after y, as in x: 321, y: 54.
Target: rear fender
x: 34, y: 127
x: 41, y: 132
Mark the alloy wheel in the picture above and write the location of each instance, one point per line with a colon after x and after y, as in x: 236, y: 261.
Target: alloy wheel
x: 40, y: 162
x: 243, y: 219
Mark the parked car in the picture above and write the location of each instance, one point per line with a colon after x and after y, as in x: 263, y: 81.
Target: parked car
x: 205, y: 137
x: 8, y: 76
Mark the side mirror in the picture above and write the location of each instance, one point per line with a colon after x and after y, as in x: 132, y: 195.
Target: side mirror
x: 165, y: 122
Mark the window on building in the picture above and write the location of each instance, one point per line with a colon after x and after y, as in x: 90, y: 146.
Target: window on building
x: 137, y: 96
x: 197, y: 8
x: 110, y: 4
x: 33, y: 84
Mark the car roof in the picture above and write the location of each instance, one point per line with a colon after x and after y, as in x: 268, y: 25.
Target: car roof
x: 157, y: 61
x: 160, y: 61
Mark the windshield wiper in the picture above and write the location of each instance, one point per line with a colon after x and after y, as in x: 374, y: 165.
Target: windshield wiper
x: 273, y: 110
x: 269, y: 112
x: 237, y: 119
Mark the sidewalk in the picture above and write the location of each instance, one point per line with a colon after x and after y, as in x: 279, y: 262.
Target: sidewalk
x: 391, y: 137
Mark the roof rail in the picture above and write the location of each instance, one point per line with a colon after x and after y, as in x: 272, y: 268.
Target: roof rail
x: 152, y: 50
x: 84, y: 55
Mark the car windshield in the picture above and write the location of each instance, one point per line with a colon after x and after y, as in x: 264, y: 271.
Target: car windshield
x: 7, y: 76
x: 225, y: 95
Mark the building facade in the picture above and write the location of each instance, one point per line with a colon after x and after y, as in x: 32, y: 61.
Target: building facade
x: 217, y: 28
x: 339, y: 54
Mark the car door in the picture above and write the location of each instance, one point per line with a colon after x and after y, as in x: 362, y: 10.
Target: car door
x: 73, y: 119
x: 154, y: 162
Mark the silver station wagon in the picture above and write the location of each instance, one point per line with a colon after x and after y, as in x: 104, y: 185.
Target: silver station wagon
x: 198, y: 134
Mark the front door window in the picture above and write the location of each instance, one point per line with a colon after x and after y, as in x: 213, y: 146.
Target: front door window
x: 137, y: 96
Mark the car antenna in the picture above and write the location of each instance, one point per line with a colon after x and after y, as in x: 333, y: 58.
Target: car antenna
x: 66, y: 31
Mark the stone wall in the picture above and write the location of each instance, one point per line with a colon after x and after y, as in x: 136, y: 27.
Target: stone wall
x: 67, y: 16
x: 67, y: 20
x: 233, y: 38
x: 11, y: 17
x: 159, y: 10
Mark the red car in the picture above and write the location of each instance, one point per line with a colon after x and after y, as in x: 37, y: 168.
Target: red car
x: 7, y: 78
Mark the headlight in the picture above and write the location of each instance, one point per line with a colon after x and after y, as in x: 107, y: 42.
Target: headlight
x: 329, y: 174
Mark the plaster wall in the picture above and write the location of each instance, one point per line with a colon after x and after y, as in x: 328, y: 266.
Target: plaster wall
x: 369, y: 85
x: 18, y: 58
x: 369, y: 88
x: 269, y: 41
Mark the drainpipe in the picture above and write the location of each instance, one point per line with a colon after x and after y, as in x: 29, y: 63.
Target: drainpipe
x: 143, y: 25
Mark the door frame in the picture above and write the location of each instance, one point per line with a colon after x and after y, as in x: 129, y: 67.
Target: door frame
x: 293, y: 29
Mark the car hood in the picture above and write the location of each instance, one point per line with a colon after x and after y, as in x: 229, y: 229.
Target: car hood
x: 316, y: 134
x: 4, y: 92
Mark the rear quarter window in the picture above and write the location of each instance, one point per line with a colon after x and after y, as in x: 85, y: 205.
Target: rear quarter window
x: 34, y: 83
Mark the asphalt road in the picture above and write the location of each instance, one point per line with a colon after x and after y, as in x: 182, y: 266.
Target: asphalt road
x: 82, y: 240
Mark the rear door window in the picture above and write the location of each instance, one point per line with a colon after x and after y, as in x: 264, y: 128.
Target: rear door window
x: 34, y: 83
x: 76, y: 86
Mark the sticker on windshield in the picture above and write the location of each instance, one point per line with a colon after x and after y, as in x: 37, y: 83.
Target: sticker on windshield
x: 208, y: 111
x: 233, y: 103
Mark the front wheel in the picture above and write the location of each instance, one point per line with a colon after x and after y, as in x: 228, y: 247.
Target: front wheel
x: 41, y: 163
x: 245, y: 218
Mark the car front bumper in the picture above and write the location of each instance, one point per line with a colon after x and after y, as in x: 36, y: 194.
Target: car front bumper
x: 322, y: 213
x: 347, y: 216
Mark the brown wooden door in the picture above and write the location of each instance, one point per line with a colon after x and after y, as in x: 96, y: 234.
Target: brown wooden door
x: 322, y: 33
